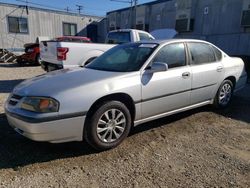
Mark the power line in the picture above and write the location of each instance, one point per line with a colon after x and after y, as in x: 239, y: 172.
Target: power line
x: 67, y: 9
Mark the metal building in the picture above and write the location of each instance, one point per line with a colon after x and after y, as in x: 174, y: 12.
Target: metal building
x: 225, y: 23
x: 21, y: 24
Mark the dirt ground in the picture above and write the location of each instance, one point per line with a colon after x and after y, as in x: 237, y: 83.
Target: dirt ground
x: 198, y: 148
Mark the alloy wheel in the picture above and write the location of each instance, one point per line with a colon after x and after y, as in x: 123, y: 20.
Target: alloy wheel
x: 111, y: 125
x: 225, y: 94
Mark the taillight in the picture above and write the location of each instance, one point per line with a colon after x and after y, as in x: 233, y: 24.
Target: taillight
x: 62, y: 53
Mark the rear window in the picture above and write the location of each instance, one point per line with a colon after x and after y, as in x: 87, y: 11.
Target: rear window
x: 118, y: 37
x: 144, y: 36
x: 218, y: 53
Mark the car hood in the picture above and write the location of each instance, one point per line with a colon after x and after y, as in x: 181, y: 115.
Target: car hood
x: 55, y: 82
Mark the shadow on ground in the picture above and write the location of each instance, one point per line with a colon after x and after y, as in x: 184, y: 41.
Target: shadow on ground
x: 240, y: 106
x: 6, y: 86
x: 17, y: 151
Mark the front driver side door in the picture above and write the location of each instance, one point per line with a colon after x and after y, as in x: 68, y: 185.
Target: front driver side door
x: 169, y: 90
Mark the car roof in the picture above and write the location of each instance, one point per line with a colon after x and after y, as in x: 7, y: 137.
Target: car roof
x: 172, y: 40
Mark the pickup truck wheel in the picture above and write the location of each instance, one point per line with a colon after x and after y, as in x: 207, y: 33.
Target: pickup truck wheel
x: 224, y: 94
x: 38, y: 59
x: 108, y: 126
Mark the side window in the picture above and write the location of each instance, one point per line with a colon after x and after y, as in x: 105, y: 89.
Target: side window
x: 201, y: 53
x: 172, y: 54
x: 144, y: 36
x: 218, y: 53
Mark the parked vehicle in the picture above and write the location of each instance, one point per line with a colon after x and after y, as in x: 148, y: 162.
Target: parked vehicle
x: 31, y: 55
x: 63, y: 54
x: 32, y: 52
x: 122, y: 36
x: 126, y: 86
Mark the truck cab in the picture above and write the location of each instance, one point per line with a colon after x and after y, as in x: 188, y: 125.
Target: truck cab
x: 127, y: 35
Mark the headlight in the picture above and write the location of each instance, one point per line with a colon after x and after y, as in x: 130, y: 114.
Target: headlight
x: 40, y: 104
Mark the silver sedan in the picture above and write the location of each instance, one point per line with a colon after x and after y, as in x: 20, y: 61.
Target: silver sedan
x: 126, y: 86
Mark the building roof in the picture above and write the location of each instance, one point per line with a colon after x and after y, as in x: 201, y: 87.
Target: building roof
x: 149, y: 3
x: 49, y: 10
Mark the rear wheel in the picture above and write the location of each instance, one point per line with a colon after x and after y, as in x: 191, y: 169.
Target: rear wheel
x: 108, y: 126
x: 224, y: 94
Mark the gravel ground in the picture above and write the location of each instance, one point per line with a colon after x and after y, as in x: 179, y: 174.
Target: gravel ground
x: 198, y: 148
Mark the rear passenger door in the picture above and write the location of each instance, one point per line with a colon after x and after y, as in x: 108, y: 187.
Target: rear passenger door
x: 207, y: 71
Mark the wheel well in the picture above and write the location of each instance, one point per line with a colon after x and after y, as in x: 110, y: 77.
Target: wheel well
x: 121, y: 97
x: 232, y: 79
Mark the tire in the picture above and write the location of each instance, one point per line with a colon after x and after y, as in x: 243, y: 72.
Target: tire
x: 108, y: 126
x: 224, y: 94
x: 38, y: 59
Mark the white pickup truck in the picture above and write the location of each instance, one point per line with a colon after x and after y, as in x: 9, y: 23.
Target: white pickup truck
x: 58, y: 55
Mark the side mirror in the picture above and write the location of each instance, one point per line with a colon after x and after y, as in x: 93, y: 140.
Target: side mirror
x: 158, y: 67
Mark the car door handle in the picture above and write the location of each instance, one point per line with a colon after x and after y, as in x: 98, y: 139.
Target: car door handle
x: 219, y: 69
x: 185, y: 74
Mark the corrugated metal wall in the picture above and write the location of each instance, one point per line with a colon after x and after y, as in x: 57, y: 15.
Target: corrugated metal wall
x: 41, y: 23
x: 217, y: 21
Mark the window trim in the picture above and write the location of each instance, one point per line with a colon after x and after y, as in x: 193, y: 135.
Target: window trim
x: 190, y: 55
x: 71, y: 23
x: 22, y: 33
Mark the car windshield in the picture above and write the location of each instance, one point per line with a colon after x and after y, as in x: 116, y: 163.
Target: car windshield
x: 124, y: 58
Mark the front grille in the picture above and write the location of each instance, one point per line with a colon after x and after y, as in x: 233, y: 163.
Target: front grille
x: 14, y: 99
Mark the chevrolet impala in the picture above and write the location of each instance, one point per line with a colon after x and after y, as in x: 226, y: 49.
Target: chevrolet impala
x: 126, y: 86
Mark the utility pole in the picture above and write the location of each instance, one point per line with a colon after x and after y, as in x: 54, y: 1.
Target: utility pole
x: 26, y: 7
x: 67, y: 9
x: 135, y: 7
x: 80, y: 7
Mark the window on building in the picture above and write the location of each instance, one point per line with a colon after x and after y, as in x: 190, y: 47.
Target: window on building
x: 245, y: 20
x: 18, y: 25
x: 69, y: 29
x: 201, y: 53
x: 172, y: 54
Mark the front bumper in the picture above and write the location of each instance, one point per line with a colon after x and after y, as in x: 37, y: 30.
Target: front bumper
x: 56, y: 131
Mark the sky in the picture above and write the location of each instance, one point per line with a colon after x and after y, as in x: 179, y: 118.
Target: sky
x: 91, y: 7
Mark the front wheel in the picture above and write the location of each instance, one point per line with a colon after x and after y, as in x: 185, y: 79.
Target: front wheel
x: 108, y: 126
x: 224, y: 94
